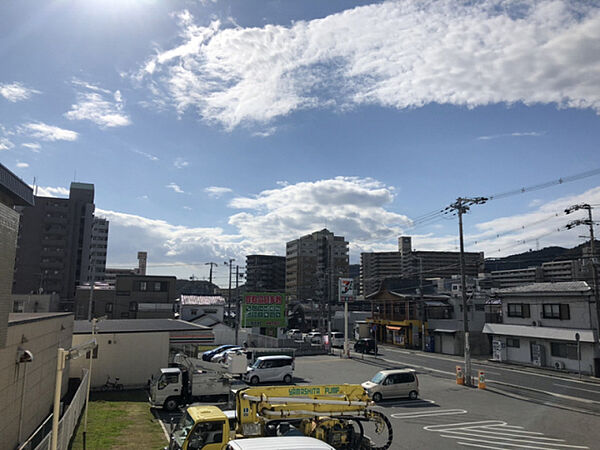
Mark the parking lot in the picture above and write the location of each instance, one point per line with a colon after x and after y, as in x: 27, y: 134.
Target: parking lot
x: 450, y: 416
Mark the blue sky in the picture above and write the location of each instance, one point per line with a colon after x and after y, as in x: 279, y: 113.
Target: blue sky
x: 215, y: 129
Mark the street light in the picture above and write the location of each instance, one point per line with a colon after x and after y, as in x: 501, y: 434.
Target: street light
x: 63, y: 356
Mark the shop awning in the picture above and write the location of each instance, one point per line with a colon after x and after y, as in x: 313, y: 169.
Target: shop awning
x: 389, y: 327
x: 441, y: 330
x: 559, y: 334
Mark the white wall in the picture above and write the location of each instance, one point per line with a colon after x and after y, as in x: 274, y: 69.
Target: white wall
x: 132, y: 357
x: 42, y: 338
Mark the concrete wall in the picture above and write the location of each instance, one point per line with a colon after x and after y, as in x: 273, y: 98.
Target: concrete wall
x: 132, y: 357
x: 42, y: 337
x: 9, y: 226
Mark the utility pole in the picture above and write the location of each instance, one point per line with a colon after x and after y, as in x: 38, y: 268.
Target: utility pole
x: 461, y: 206
x: 590, y: 223
x: 422, y: 304
x: 231, y: 260
x: 237, y: 303
x: 210, y: 273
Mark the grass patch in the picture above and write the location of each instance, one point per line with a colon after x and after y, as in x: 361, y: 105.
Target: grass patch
x: 120, y: 420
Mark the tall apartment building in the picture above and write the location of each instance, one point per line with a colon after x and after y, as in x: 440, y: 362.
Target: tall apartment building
x: 13, y: 193
x: 98, y: 248
x: 549, y: 272
x: 375, y: 267
x: 313, y: 265
x: 265, y: 273
x: 55, y: 243
x: 435, y: 264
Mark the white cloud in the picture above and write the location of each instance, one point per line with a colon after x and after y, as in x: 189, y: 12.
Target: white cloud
x: 175, y: 188
x: 187, y: 208
x: 394, y: 54
x: 217, y: 191
x: 16, y: 92
x: 33, y: 146
x: 52, y: 191
x: 22, y: 165
x: 101, y: 106
x: 5, y: 144
x: 180, y: 163
x: 515, y: 134
x: 45, y: 132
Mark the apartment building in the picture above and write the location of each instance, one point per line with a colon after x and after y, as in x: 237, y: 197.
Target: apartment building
x: 375, y: 267
x: 98, y: 249
x: 434, y: 264
x: 265, y: 273
x: 55, y: 244
x: 313, y: 265
x: 547, y: 325
x: 552, y: 271
x: 131, y: 297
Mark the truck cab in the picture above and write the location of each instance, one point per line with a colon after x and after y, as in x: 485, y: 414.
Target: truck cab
x: 166, y: 388
x: 203, y: 427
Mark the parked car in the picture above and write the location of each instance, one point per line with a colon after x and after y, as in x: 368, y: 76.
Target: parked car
x: 207, y: 355
x: 270, y: 368
x: 366, y: 345
x: 279, y: 443
x: 337, y: 339
x: 314, y: 337
x: 393, y: 383
x: 218, y: 357
x: 294, y: 334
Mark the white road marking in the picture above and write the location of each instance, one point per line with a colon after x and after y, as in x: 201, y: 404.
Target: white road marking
x: 497, y: 434
x: 416, y: 403
x: 437, y: 412
x: 553, y: 394
x: 579, y: 389
x: 162, y: 425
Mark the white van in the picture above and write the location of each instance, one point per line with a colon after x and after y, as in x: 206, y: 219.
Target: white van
x: 270, y: 368
x: 337, y: 339
x: 393, y: 383
x: 279, y: 443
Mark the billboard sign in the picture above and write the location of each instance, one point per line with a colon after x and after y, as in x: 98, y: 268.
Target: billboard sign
x: 346, y: 289
x: 263, y: 309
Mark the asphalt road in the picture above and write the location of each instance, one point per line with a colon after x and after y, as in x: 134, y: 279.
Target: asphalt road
x: 449, y: 416
x: 544, y: 385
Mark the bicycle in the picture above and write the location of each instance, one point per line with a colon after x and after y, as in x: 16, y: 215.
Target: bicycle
x: 112, y: 385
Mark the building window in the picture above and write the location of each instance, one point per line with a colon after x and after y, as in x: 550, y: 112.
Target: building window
x: 556, y: 311
x: 94, y: 353
x: 133, y: 306
x: 108, y: 308
x: 480, y: 307
x: 143, y: 286
x: 563, y: 350
x: 157, y: 286
x: 513, y: 342
x: 518, y: 310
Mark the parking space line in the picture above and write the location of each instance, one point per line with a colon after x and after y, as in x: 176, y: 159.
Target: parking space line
x: 502, y: 443
x: 438, y: 412
x: 471, y: 444
x: 416, y: 403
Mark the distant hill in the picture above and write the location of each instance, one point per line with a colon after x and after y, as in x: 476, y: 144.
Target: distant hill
x: 535, y: 258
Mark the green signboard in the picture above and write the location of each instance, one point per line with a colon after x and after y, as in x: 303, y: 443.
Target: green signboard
x: 263, y: 309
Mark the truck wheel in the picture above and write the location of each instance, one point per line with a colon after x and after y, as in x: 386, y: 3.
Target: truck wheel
x: 171, y: 404
x: 254, y: 380
x: 287, y: 379
x: 377, y: 397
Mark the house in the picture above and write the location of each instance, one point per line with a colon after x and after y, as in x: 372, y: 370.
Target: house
x: 547, y: 325
x: 135, y: 349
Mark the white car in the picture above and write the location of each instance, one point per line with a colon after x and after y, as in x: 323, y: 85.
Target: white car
x: 219, y: 357
x: 393, y: 383
x: 294, y: 334
x: 314, y: 337
x: 270, y: 368
x: 337, y: 339
x: 279, y: 443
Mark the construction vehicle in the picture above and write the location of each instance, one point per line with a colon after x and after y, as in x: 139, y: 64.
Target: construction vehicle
x: 188, y: 381
x: 335, y: 414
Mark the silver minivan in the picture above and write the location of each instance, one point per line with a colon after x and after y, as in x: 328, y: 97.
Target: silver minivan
x: 270, y: 368
x: 393, y: 383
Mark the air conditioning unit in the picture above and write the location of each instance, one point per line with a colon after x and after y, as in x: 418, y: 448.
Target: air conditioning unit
x: 559, y: 365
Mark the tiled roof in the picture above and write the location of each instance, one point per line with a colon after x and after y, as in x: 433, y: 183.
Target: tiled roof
x: 561, y: 286
x: 136, y: 326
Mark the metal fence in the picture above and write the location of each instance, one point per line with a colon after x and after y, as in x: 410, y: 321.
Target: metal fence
x: 67, y: 424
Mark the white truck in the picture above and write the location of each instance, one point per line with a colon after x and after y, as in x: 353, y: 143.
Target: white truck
x: 189, y: 381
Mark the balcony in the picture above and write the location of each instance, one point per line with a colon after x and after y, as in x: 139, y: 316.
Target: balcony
x: 49, y: 242
x: 57, y: 220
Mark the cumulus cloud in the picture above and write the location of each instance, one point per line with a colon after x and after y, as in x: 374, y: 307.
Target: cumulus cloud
x: 101, y: 106
x: 217, y: 191
x: 45, y: 132
x: 175, y: 188
x: 16, y: 92
x: 51, y: 191
x: 33, y: 146
x: 394, y: 54
x: 180, y: 163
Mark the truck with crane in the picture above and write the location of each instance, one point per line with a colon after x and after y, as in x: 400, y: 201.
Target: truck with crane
x: 335, y: 414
